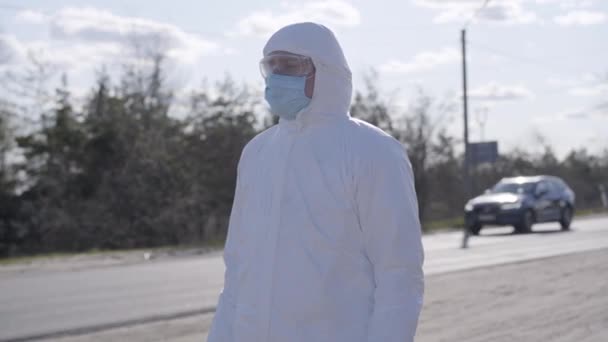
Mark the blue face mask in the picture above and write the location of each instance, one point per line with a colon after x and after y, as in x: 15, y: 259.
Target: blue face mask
x: 285, y: 95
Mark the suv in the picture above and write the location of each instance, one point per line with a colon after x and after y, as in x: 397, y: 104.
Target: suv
x: 521, y: 202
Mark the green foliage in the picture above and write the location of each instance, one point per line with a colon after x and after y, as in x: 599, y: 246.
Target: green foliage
x: 123, y: 173
x: 135, y: 167
x: 437, y: 167
x: 9, y: 203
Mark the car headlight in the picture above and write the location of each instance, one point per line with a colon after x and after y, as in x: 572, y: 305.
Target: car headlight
x: 511, y: 206
x: 468, y: 206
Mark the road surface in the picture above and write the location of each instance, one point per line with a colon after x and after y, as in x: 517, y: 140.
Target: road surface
x: 47, y: 304
x: 557, y: 299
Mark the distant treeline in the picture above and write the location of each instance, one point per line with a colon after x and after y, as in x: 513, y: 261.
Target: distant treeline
x: 133, y: 167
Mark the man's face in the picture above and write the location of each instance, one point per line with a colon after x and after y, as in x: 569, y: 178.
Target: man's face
x: 290, y: 64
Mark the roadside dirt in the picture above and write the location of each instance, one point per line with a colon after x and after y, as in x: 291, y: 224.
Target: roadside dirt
x: 560, y: 299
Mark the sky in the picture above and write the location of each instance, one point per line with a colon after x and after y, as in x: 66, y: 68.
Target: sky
x: 536, y: 67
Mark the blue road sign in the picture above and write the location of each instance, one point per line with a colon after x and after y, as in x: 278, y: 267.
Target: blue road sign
x: 483, y: 152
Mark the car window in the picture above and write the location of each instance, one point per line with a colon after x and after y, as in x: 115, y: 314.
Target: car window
x: 562, y: 185
x: 514, y: 188
x: 543, y: 188
x: 553, y: 188
x: 556, y: 187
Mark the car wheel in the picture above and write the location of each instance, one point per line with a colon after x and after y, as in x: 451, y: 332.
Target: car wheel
x: 566, y: 218
x: 475, y: 229
x: 525, y: 226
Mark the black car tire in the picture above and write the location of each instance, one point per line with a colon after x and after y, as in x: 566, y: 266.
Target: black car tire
x: 566, y: 218
x: 475, y: 229
x: 527, y: 220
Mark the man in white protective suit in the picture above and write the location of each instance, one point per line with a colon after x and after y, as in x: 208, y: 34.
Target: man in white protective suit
x: 324, y: 241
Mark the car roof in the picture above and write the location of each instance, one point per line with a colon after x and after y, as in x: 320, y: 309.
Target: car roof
x: 527, y: 179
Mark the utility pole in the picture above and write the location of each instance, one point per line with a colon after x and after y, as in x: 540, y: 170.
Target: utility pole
x: 481, y: 116
x: 465, y: 102
x: 467, y: 159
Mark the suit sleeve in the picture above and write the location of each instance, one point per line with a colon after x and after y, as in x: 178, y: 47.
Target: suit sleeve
x: 222, y: 326
x: 388, y: 211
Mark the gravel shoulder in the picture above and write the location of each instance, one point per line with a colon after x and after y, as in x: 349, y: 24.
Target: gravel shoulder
x: 558, y: 299
x: 87, y: 261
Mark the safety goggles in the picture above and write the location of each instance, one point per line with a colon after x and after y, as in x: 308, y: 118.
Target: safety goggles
x: 286, y: 64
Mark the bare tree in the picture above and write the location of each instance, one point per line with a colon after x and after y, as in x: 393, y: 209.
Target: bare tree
x: 371, y: 106
x: 603, y: 106
x: 31, y: 88
x: 5, y: 138
x: 6, y: 118
x: 418, y: 129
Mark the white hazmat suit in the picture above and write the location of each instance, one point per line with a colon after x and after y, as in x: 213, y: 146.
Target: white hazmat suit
x: 324, y: 237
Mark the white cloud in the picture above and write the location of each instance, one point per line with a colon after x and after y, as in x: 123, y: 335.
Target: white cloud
x: 55, y: 58
x: 587, y: 85
x: 75, y: 57
x: 596, y: 111
x: 16, y: 54
x: 591, y: 90
x: 443, y: 4
x: 32, y: 17
x: 569, y: 4
x: 333, y: 12
x: 582, y: 18
x: 228, y: 51
x: 91, y: 26
x: 422, y: 62
x: 561, y: 82
x: 11, y: 49
x: 497, y: 92
x: 505, y: 11
x: 85, y: 39
x: 601, y: 109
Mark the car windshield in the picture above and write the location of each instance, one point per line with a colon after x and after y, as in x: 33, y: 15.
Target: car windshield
x: 514, y: 188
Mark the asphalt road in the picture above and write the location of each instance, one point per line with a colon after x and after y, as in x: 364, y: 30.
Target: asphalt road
x: 48, y: 303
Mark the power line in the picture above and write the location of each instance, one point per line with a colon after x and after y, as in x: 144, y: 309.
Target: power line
x: 485, y: 3
x: 525, y: 59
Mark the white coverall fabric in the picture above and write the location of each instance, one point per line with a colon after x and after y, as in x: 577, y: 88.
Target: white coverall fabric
x: 324, y: 238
